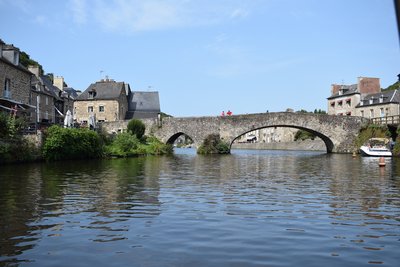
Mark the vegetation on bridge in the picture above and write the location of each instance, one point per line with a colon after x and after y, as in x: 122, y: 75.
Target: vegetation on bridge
x: 213, y: 145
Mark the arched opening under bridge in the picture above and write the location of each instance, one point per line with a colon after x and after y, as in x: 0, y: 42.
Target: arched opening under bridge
x: 283, y: 137
x: 180, y: 140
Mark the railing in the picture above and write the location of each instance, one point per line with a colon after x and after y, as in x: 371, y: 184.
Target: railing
x: 388, y: 120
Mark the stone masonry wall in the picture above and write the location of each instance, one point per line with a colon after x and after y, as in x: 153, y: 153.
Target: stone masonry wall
x: 20, y: 82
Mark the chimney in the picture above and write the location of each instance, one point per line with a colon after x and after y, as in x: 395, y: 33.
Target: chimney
x: 335, y: 88
x: 59, y: 82
x: 11, y: 53
x: 368, y: 85
x: 34, y: 69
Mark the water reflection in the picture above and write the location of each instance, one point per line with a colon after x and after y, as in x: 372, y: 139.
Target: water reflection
x: 276, y: 208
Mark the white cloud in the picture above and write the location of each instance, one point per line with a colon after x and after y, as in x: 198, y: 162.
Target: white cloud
x: 79, y: 11
x: 40, y: 19
x: 129, y: 16
x: 239, y: 13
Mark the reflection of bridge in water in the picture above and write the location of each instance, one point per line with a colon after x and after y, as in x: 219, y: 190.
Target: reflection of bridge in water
x: 337, y: 132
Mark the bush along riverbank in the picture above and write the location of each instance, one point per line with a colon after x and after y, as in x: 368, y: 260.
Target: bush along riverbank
x: 14, y: 147
x: 69, y: 143
x: 213, y: 145
x: 74, y: 143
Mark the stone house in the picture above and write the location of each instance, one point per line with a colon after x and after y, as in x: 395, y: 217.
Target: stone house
x: 345, y: 98
x: 45, y: 98
x: 15, y: 82
x: 364, y: 99
x: 379, y: 105
x: 103, y: 101
x: 67, y: 95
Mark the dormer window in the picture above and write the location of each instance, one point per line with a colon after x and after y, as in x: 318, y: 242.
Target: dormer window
x: 381, y: 99
x: 92, y: 94
x: 371, y: 101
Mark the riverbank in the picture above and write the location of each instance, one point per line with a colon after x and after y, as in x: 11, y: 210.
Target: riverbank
x: 311, y: 145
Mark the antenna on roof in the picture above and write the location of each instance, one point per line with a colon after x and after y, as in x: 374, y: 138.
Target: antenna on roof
x: 101, y: 74
x: 149, y: 88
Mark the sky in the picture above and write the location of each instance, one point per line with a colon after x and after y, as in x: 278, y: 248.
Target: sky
x: 209, y: 56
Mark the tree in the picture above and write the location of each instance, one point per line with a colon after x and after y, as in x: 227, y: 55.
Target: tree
x: 136, y: 127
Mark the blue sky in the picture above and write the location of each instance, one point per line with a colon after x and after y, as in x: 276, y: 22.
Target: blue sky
x: 205, y: 56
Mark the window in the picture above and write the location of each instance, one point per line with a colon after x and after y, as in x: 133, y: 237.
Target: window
x: 382, y: 113
x: 362, y: 113
x: 47, y: 100
x: 333, y: 104
x: 371, y: 113
x: 387, y: 112
x: 92, y: 94
x: 101, y: 108
x: 340, y: 103
x: 90, y: 109
x: 348, y: 102
x: 7, y: 92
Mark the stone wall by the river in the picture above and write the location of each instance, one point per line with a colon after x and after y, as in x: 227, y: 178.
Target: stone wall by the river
x: 312, y: 145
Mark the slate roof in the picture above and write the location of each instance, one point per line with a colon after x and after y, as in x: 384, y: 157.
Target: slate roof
x: 105, y: 90
x: 49, y: 88
x: 347, y: 90
x: 143, y: 105
x: 385, y: 97
x: 71, y: 92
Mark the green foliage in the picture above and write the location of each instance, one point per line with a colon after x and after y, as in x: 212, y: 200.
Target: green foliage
x: 13, y: 147
x: 26, y: 61
x: 128, y: 145
x: 20, y: 150
x: 303, y: 135
x: 213, y: 145
x: 371, y: 131
x: 123, y: 145
x: 10, y: 127
x: 71, y: 143
x: 165, y: 115
x: 316, y: 111
x: 394, y: 86
x: 156, y: 147
x: 319, y: 111
x: 136, y: 127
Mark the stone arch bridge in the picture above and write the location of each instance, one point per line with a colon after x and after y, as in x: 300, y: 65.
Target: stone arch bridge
x: 337, y: 132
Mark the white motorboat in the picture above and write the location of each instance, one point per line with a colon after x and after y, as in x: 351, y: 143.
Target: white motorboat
x: 376, y: 147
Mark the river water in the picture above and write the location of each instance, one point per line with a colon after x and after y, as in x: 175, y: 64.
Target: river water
x: 250, y: 208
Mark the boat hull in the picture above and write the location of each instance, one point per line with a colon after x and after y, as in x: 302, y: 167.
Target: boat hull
x: 371, y: 152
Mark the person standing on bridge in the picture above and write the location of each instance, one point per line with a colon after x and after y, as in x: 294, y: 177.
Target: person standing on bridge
x: 223, y: 113
x: 229, y: 113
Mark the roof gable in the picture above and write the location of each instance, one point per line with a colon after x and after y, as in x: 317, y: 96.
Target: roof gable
x: 106, y: 90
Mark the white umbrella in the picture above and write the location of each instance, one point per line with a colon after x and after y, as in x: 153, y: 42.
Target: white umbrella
x: 68, y: 119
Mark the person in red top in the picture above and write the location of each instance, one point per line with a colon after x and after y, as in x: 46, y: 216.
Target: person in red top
x: 229, y: 113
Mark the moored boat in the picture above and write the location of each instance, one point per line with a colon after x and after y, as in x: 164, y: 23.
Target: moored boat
x: 376, y: 147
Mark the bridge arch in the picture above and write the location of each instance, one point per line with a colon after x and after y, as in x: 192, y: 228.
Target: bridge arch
x: 171, y: 140
x: 327, y: 141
